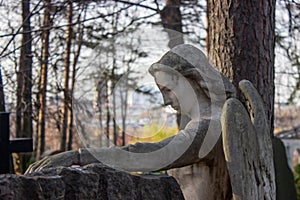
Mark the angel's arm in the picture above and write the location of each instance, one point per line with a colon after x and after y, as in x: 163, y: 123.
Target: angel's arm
x: 177, y: 151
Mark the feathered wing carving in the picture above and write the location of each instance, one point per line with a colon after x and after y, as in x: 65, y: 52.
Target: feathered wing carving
x: 247, y: 146
x: 260, y: 122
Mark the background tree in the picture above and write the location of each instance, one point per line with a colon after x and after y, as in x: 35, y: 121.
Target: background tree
x: 172, y: 21
x: 241, y: 41
x: 24, y: 84
x: 66, y: 90
x: 76, y: 55
x: 287, y: 41
x: 2, y: 97
x: 43, y: 82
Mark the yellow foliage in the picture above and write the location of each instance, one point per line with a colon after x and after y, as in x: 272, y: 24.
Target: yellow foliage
x: 154, y: 132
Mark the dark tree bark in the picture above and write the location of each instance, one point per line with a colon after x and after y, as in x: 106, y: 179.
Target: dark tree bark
x: 66, y: 94
x: 2, y: 97
x: 24, y: 86
x: 172, y: 22
x: 124, y: 107
x: 43, y: 82
x: 73, y: 79
x: 108, y: 114
x: 241, y: 41
x: 113, y: 93
x: 25, y: 75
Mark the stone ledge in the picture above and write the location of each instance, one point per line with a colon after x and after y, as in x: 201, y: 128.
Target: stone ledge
x: 94, y: 181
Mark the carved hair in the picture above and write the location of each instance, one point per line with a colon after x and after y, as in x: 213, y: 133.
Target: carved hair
x: 192, y: 63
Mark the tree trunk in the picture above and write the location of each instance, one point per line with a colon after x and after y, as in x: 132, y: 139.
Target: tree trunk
x: 114, y: 81
x: 99, y: 103
x: 66, y: 97
x: 69, y: 138
x: 108, y: 115
x: 24, y: 77
x: 43, y: 82
x: 73, y: 79
x: 2, y: 97
x: 172, y: 22
x: 241, y: 44
x: 124, y: 107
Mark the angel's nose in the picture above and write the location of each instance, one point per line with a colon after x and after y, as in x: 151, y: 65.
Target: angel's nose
x: 167, y: 100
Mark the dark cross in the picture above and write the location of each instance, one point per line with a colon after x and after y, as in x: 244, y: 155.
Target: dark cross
x: 7, y: 146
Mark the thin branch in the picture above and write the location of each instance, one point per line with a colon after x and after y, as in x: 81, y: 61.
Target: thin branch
x: 20, y: 27
x: 75, y: 23
x: 137, y: 4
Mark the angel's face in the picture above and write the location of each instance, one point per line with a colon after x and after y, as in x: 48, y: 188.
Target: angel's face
x: 176, y: 91
x: 169, y: 97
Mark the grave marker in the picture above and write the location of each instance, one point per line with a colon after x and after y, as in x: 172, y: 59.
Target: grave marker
x: 7, y: 146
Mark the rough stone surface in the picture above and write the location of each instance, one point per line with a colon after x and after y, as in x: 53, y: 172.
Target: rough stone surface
x: 95, y: 181
x: 14, y: 187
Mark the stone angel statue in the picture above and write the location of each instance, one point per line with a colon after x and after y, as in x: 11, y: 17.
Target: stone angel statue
x: 195, y: 156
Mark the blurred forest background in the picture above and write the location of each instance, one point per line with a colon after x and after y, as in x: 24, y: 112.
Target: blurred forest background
x: 74, y: 73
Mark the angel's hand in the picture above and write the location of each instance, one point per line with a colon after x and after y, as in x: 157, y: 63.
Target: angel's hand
x: 66, y: 159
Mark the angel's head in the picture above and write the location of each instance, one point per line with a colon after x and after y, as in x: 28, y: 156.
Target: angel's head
x: 189, y: 83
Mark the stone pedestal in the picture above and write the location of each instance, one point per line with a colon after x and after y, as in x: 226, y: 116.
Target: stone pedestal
x: 95, y: 181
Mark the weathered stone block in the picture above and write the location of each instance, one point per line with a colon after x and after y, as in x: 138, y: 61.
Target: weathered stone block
x: 94, y: 181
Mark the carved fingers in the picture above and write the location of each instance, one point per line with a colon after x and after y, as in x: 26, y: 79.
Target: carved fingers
x: 65, y: 159
x: 39, y: 165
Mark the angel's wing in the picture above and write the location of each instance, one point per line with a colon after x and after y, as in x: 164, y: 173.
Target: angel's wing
x: 247, y: 147
x: 259, y: 120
